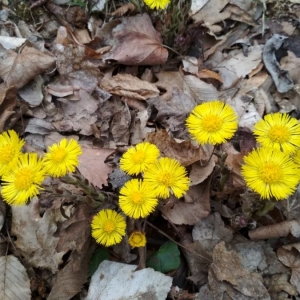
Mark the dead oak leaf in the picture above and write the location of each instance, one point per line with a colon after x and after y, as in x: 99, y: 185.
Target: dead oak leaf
x: 137, y: 43
x: 92, y: 165
x: 16, y: 69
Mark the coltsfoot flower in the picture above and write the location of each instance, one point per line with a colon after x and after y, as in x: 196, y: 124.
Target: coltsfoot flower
x: 136, y: 159
x: 212, y: 122
x: 270, y: 173
x: 24, y: 181
x: 62, y: 158
x: 137, y: 199
x: 278, y: 131
x: 108, y: 227
x: 158, y: 4
x: 10, y: 149
x: 137, y: 239
x: 166, y: 175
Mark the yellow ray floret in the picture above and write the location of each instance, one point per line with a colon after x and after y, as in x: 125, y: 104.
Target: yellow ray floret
x: 137, y: 239
x: 212, y: 123
x: 137, y: 199
x: 270, y: 173
x: 62, y: 158
x: 24, y: 181
x: 10, y: 149
x: 136, y: 159
x: 167, y: 175
x: 278, y: 131
x: 108, y: 227
x: 158, y: 4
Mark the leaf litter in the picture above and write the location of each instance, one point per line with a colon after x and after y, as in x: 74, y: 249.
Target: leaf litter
x: 131, y: 74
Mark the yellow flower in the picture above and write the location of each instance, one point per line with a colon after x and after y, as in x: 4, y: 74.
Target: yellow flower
x: 137, y: 199
x: 10, y: 149
x: 62, y: 158
x: 158, y: 4
x: 296, y: 158
x: 108, y: 227
x: 24, y: 181
x: 137, y: 239
x: 165, y: 175
x: 270, y: 173
x: 136, y: 159
x: 278, y: 131
x: 212, y: 123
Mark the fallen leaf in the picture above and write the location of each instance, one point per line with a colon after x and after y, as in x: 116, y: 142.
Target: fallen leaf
x: 290, y: 256
x: 39, y: 126
x: 35, y: 239
x: 199, y: 90
x: 129, y: 86
x: 277, y: 230
x: 15, y: 284
x: 137, y: 43
x: 142, y: 284
x: 92, y: 166
x: 184, y: 151
x: 129, y: 7
x: 195, y: 208
x: 227, y: 276
x: 210, y: 231
x: 17, y: 69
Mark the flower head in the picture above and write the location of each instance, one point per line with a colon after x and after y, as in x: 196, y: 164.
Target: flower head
x: 137, y: 239
x: 24, y: 181
x: 10, y: 149
x: 62, y: 158
x: 270, y: 173
x: 165, y: 175
x: 136, y: 159
x: 137, y: 199
x: 278, y: 131
x: 158, y: 4
x: 108, y: 227
x: 212, y: 123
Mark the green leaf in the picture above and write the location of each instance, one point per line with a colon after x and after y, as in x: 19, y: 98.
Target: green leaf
x: 167, y: 258
x: 97, y: 258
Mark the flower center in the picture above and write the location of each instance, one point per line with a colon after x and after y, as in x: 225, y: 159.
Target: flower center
x: 59, y: 154
x: 137, y: 238
x: 109, y: 226
x: 212, y: 123
x: 24, y: 179
x: 279, y: 134
x: 7, y: 153
x: 138, y: 157
x: 166, y: 179
x: 136, y: 197
x: 270, y: 173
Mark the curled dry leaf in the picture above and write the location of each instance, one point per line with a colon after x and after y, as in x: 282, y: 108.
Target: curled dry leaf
x: 137, y: 43
x: 129, y: 86
x: 93, y: 167
x: 16, y: 69
x: 290, y: 256
x: 276, y: 230
x: 129, y: 7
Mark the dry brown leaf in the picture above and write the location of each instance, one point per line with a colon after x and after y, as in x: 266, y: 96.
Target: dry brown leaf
x: 35, y: 235
x: 16, y: 69
x: 205, y: 73
x: 137, y: 43
x: 129, y: 7
x: 201, y: 170
x: 290, y: 256
x: 92, y: 165
x: 185, y: 151
x: 7, y: 103
x: 195, y: 209
x: 227, y: 276
x: 129, y: 86
x: 276, y: 230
